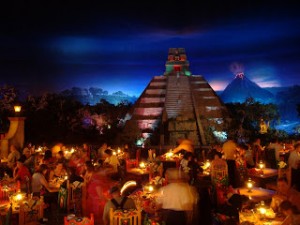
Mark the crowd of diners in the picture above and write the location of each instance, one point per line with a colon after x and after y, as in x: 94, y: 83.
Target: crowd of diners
x: 35, y: 169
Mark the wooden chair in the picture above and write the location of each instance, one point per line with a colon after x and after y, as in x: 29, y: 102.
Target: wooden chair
x: 31, y: 211
x: 287, y: 173
x: 128, y: 217
x: 75, y: 197
x: 83, y: 199
x: 71, y: 197
x: 80, y: 220
x: 131, y: 163
x: 219, y: 179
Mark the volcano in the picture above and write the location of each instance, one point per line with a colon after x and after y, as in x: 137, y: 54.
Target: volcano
x: 242, y: 88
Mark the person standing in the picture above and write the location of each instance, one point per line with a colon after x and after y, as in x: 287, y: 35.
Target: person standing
x: 97, y: 189
x: 294, y: 163
x: 229, y: 149
x: 177, y: 199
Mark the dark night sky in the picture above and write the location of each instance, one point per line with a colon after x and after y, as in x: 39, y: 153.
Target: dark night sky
x: 119, y: 45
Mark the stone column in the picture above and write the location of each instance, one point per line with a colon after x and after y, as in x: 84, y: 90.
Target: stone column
x: 14, y: 136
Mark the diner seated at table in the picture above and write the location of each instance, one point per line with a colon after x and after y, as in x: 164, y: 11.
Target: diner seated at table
x: 258, y: 150
x: 88, y: 171
x: 291, y: 212
x: 185, y: 161
x: 284, y: 192
x: 113, y: 162
x: 294, y: 164
x: 194, y: 170
x: 61, y: 157
x: 77, y: 162
x: 116, y: 202
x: 31, y: 160
x: 48, y: 159
x: 58, y: 172
x: 40, y: 186
x: 23, y: 175
x: 12, y: 158
x: 233, y: 204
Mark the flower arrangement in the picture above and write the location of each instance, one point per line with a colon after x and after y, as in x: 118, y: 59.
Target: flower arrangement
x: 158, y: 181
x: 282, y: 165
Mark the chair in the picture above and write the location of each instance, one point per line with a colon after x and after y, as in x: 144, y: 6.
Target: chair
x: 8, y: 216
x: 128, y: 217
x: 75, y: 196
x: 71, y: 197
x: 219, y: 179
x: 80, y: 220
x: 83, y: 199
x: 31, y: 211
x: 63, y: 199
x: 131, y: 163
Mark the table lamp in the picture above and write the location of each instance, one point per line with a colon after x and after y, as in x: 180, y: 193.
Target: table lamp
x: 250, y: 185
x: 142, y: 165
x: 262, y: 208
x: 261, y: 165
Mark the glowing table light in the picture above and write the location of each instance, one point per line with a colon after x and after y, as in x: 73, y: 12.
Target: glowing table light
x: 261, y: 165
x: 262, y: 208
x: 142, y: 165
x: 250, y: 185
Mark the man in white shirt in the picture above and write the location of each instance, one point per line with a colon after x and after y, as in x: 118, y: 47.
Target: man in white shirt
x: 177, y: 199
x: 112, y: 160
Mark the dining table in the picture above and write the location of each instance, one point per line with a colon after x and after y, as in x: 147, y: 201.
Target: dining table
x: 263, y: 176
x: 253, y: 217
x: 141, y: 175
x: 256, y: 194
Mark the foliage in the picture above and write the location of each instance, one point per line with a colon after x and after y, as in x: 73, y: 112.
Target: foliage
x: 53, y: 118
x: 246, y: 116
x: 8, y: 97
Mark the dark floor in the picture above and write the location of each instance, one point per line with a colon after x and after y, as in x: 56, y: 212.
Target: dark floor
x: 54, y: 216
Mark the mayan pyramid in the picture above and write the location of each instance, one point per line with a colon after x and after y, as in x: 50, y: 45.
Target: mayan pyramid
x: 177, y: 105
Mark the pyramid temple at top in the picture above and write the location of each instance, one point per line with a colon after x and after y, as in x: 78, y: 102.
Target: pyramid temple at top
x: 177, y: 105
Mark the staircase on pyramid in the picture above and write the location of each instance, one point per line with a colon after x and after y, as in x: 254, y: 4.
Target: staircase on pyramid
x: 177, y: 105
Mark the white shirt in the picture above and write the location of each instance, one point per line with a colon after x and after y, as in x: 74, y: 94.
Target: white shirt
x: 294, y: 159
x: 113, y: 161
x: 177, y: 196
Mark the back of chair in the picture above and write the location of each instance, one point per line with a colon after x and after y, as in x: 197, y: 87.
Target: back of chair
x: 75, y: 197
x: 84, y: 197
x: 31, y: 211
x: 64, y: 198
x: 128, y: 217
x: 80, y: 220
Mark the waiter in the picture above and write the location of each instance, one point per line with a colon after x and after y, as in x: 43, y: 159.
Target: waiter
x: 177, y: 199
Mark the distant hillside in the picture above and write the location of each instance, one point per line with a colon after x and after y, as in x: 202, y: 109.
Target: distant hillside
x: 275, y: 90
x: 242, y: 88
x: 286, y: 99
x: 93, y: 96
